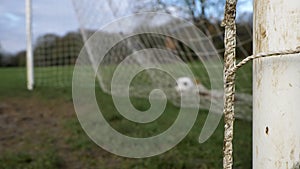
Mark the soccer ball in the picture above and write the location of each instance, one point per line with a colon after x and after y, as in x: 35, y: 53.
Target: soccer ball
x: 184, y: 84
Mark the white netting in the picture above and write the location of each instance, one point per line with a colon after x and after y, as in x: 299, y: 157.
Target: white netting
x: 199, y: 49
x: 54, y: 57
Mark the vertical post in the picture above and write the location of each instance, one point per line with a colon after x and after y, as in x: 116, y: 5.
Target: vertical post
x: 29, y: 51
x: 276, y: 85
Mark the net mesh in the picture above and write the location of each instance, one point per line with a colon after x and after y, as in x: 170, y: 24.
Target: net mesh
x: 200, y: 50
x: 54, y: 57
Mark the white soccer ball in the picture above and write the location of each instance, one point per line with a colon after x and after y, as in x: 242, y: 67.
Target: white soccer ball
x: 185, y: 84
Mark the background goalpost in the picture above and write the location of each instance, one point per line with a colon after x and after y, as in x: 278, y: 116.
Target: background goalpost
x: 29, y: 50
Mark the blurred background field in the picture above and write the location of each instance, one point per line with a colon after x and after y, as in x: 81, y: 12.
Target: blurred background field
x: 39, y: 129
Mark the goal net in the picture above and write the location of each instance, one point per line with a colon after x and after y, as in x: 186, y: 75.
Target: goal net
x: 177, y: 47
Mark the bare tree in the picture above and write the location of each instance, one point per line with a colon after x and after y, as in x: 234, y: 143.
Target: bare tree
x: 194, y: 10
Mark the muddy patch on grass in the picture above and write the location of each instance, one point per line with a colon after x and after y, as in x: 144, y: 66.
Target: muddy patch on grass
x: 35, y: 126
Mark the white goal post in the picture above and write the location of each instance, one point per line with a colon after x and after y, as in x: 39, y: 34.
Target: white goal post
x: 29, y: 49
x: 276, y: 85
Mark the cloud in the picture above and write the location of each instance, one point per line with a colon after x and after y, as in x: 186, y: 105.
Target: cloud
x: 48, y: 17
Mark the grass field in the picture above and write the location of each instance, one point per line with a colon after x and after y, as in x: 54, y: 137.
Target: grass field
x: 41, y: 131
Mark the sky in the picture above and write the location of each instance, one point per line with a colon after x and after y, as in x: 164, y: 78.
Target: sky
x: 49, y: 16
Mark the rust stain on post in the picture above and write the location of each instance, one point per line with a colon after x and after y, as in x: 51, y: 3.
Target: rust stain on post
x: 263, y: 32
x: 267, y: 130
x: 292, y: 154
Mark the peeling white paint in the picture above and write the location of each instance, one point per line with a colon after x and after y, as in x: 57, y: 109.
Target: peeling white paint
x: 276, y: 85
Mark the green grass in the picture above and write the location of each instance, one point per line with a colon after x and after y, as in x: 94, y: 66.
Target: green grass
x: 13, y: 81
x: 188, y: 154
x: 21, y: 160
